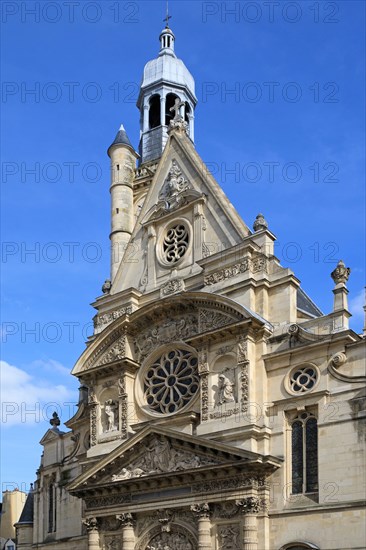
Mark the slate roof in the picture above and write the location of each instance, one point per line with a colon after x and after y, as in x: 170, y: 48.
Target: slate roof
x: 121, y: 138
x: 306, y: 304
x: 27, y: 513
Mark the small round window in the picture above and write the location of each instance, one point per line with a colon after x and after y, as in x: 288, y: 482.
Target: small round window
x: 175, y: 243
x: 171, y: 381
x: 303, y: 379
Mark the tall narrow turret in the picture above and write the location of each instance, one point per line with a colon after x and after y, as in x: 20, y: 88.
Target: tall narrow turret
x: 123, y: 161
x: 165, y: 80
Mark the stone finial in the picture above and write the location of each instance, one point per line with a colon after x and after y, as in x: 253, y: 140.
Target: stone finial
x: 341, y: 273
x: 260, y: 223
x: 107, y: 286
x: 55, y: 421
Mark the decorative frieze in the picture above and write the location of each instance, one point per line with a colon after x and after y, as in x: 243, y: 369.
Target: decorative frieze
x: 101, y: 321
x: 238, y: 482
x: 227, y: 273
x: 103, y: 501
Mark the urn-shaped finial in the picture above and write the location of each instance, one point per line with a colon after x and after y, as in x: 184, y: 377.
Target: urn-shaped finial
x: 341, y: 273
x: 260, y: 223
x: 106, y: 286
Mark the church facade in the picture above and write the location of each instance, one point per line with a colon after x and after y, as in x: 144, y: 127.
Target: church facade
x: 219, y: 408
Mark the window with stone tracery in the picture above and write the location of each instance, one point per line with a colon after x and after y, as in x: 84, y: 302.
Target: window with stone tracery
x: 175, y: 243
x: 304, y: 451
x: 171, y: 381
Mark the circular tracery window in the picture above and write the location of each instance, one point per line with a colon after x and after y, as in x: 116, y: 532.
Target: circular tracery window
x: 303, y: 379
x: 171, y: 381
x: 175, y: 243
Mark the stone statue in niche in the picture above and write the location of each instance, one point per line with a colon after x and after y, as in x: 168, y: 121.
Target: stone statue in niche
x: 224, y: 390
x: 111, y: 415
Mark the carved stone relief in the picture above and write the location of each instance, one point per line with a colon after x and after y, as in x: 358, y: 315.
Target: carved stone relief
x: 117, y: 350
x: 112, y: 543
x: 103, y: 320
x: 229, y: 537
x: 172, y: 287
x: 172, y: 329
x: 180, y: 328
x: 177, y: 539
x: 160, y: 457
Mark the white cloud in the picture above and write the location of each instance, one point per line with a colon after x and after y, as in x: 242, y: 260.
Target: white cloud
x: 356, y: 304
x: 29, y: 400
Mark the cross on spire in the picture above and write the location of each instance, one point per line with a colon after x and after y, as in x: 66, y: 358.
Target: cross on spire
x: 176, y: 108
x: 167, y: 15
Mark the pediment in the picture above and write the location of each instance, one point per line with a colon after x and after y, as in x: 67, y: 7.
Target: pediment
x: 182, y: 189
x: 158, y: 454
x: 179, y: 317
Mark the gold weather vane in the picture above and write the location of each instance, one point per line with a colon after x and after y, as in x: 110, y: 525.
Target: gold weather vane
x: 167, y: 15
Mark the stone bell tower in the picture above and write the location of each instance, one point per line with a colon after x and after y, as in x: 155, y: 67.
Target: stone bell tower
x: 167, y: 89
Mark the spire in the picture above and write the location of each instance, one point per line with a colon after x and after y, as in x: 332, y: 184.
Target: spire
x: 167, y: 15
x: 121, y: 139
x: 167, y: 37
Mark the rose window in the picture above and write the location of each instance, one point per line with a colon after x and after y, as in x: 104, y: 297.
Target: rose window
x: 171, y: 381
x: 303, y: 379
x: 175, y: 243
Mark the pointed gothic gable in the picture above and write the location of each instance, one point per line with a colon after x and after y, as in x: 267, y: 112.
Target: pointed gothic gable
x: 183, y: 195
x: 160, y: 452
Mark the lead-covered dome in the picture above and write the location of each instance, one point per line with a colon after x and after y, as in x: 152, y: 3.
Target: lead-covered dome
x: 167, y: 67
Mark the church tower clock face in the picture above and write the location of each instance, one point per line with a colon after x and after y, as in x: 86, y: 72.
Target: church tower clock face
x: 170, y: 381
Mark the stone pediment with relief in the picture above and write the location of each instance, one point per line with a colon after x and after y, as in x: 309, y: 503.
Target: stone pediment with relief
x: 157, y: 453
x: 175, y: 192
x: 159, y: 456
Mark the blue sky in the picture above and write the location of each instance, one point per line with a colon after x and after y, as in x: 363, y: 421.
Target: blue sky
x: 280, y: 121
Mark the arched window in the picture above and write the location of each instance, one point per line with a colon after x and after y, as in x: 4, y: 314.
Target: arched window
x: 154, y: 112
x: 187, y: 111
x: 304, y: 450
x: 169, y: 115
x: 52, y: 500
x: 300, y: 546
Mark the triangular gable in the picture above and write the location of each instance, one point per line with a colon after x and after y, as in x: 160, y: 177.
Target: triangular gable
x: 159, y: 452
x: 223, y: 225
